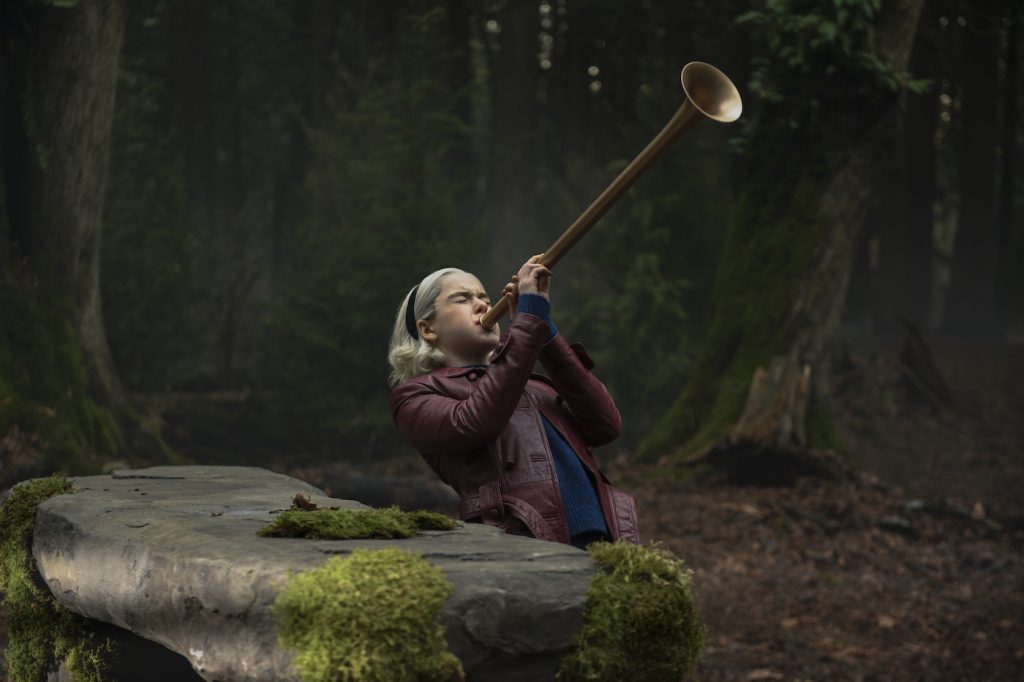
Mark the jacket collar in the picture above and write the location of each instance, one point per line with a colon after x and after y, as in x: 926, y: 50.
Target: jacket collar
x: 458, y: 372
x: 455, y: 372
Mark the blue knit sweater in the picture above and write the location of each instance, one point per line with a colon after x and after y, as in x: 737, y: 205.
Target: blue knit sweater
x: 579, y: 494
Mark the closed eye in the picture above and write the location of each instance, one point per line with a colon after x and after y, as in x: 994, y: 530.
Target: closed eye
x: 464, y: 296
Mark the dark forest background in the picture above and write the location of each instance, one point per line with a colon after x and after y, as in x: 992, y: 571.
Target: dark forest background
x: 212, y: 210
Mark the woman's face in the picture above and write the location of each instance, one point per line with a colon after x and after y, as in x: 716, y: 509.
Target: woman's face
x: 455, y: 327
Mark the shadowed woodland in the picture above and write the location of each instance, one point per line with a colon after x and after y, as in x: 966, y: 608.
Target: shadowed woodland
x: 811, y: 320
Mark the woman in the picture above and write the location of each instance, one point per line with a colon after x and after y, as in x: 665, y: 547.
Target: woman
x: 515, y: 446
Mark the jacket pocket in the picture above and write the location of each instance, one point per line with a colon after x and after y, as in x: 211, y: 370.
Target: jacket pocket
x: 624, y: 515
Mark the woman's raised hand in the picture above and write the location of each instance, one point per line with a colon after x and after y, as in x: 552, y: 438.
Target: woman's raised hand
x: 533, y: 278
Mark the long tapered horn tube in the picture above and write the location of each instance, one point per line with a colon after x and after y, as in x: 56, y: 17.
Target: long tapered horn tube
x: 709, y: 94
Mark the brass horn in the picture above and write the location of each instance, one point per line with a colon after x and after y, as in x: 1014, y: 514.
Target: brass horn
x: 709, y: 94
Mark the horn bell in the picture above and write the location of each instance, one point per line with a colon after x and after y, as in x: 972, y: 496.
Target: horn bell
x: 711, y: 92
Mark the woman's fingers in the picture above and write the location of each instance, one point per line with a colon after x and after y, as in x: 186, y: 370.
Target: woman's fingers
x: 534, y: 277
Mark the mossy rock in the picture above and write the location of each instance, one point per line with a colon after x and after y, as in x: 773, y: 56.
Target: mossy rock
x: 348, y: 524
x: 370, y: 617
x: 41, y: 632
x: 640, y: 621
x: 182, y: 541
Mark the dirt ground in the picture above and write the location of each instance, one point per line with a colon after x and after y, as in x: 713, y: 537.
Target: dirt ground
x: 910, y: 569
x: 818, y: 582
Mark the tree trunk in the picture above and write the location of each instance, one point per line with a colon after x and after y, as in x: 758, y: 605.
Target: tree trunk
x: 971, y: 305
x: 61, y: 84
x: 60, y: 68
x: 905, y: 216
x: 784, y: 272
x: 1010, y: 277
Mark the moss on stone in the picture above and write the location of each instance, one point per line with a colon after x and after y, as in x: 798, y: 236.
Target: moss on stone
x: 367, y: 618
x: 41, y: 632
x: 640, y: 621
x: 349, y: 524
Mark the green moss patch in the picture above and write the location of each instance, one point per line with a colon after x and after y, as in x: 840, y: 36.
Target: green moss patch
x: 347, y: 524
x: 640, y: 621
x: 41, y: 631
x: 367, y: 618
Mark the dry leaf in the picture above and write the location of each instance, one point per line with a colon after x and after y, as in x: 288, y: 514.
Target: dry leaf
x: 301, y: 501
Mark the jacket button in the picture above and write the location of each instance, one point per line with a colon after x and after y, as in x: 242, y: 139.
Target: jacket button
x: 494, y: 513
x: 509, y: 464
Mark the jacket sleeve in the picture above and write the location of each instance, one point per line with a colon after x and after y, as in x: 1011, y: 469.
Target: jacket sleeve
x: 434, y: 422
x: 584, y: 394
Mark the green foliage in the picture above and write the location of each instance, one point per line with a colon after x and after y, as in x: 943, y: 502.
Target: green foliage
x: 640, y: 621
x: 637, y: 289
x: 817, y: 57
x: 347, y: 524
x: 632, y: 311
x: 41, y: 631
x: 816, y: 39
x: 366, y: 618
x: 379, y: 214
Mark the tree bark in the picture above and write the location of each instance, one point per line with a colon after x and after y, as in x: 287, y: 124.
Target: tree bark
x: 1009, y: 279
x: 782, y: 280
x: 60, y: 79
x: 971, y: 307
x: 905, y: 216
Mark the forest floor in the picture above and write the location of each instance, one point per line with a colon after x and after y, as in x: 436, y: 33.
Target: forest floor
x: 909, y: 568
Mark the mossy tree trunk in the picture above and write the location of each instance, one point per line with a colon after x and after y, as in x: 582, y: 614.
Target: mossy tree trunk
x: 756, y: 394
x: 60, y: 65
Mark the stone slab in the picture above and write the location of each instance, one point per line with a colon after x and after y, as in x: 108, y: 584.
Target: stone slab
x: 171, y: 554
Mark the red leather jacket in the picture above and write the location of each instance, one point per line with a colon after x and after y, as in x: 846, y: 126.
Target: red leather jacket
x: 480, y: 429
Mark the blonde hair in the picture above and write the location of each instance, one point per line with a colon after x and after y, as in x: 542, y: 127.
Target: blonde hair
x: 410, y: 357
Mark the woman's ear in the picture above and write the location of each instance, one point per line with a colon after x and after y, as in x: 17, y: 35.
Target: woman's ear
x: 426, y: 332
